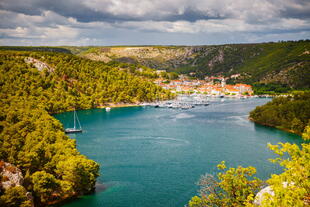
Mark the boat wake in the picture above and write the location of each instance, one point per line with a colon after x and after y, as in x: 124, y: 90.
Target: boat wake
x: 159, y: 140
x: 184, y: 116
x: 240, y: 120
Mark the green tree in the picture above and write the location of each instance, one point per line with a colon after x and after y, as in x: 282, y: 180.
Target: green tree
x: 80, y: 172
x: 15, y: 197
x: 234, y: 187
x: 173, y: 76
x: 292, y: 187
x: 291, y: 113
x: 297, y: 125
x: 45, y: 186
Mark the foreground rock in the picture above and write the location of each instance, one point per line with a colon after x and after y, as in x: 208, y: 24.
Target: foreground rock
x: 11, y: 183
x: 11, y: 176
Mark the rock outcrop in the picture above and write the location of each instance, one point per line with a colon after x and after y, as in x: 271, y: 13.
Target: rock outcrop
x: 39, y: 64
x: 260, y: 195
x: 10, y: 175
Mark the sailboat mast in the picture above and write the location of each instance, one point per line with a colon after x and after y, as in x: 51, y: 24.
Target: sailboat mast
x: 74, y: 129
x: 74, y: 119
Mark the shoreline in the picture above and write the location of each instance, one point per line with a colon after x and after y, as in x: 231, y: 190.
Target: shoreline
x: 275, y: 127
x: 123, y: 105
x: 101, y: 107
x: 120, y: 105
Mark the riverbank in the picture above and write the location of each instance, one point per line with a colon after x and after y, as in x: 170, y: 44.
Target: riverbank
x: 119, y: 105
x: 290, y: 114
x: 276, y: 127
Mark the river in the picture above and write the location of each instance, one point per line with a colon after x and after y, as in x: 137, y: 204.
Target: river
x: 153, y: 157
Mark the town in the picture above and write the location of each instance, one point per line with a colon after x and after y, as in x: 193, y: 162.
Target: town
x: 211, y: 86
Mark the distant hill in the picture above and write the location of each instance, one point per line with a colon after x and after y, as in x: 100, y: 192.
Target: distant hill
x: 282, y: 63
x: 286, y: 63
x: 41, y: 49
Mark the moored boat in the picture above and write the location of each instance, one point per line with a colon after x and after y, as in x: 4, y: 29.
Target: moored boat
x: 74, y: 129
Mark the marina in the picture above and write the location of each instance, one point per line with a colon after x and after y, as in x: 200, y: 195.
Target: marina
x: 184, y: 101
x: 181, y: 102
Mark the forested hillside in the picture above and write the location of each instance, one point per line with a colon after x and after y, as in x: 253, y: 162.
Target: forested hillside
x: 71, y: 82
x: 291, y: 113
x: 281, y: 64
x: 284, y: 63
x: 32, y: 86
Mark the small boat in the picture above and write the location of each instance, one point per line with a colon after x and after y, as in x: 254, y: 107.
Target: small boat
x: 108, y: 109
x: 74, y: 129
x: 200, y: 103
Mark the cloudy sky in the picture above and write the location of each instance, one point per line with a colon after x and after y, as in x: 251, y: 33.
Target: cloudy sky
x: 149, y: 22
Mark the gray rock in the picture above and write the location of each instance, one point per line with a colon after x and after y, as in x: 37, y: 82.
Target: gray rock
x: 38, y: 64
x: 11, y: 176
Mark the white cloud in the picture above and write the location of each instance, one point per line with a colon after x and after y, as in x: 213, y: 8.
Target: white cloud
x: 68, y: 22
x: 214, y: 26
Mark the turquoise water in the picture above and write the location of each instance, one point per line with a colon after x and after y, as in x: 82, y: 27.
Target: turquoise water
x: 152, y: 157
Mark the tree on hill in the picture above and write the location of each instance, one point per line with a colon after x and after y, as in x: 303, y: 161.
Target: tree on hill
x: 291, y: 113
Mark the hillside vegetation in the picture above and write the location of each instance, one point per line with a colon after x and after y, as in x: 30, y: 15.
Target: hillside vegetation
x: 281, y: 64
x: 284, y: 63
x: 291, y: 113
x: 34, y: 85
x: 71, y: 82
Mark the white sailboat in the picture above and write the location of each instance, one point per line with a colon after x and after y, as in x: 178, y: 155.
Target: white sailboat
x: 74, y: 129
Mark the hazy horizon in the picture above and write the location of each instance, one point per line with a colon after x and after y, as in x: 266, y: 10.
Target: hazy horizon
x: 154, y: 45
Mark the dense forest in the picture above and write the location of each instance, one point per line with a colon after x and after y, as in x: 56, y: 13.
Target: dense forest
x: 271, y: 89
x: 68, y: 82
x: 34, y: 85
x: 290, y: 113
x: 52, y: 168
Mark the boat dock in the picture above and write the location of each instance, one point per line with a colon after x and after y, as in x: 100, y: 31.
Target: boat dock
x: 181, y: 102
